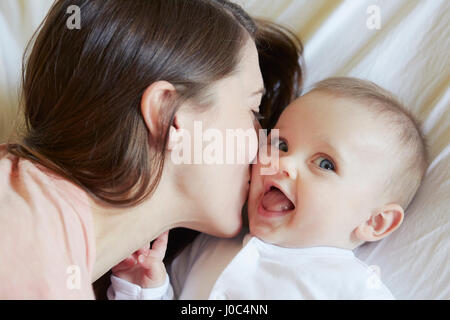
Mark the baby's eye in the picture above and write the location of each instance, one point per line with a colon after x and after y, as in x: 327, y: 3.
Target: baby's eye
x: 280, y: 144
x: 325, y: 163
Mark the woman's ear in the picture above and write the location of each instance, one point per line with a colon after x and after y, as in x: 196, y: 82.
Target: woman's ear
x: 153, y: 100
x: 381, y: 224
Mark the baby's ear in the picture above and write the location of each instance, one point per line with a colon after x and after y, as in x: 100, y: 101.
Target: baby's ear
x: 381, y: 224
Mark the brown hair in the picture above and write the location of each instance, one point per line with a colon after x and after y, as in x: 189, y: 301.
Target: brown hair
x: 82, y: 88
x: 282, y: 67
x: 411, y: 156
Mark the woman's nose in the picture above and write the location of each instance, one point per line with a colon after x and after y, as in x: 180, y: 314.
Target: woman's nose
x: 258, y: 130
x: 258, y: 143
x: 254, y: 147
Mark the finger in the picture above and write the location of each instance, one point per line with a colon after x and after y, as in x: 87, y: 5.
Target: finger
x: 156, y: 276
x: 150, y: 264
x: 143, y: 250
x: 159, y: 246
x: 124, y: 264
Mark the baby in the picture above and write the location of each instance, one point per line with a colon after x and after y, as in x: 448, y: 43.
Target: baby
x: 351, y: 159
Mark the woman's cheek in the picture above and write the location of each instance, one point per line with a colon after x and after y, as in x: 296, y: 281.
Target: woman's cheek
x: 247, y: 137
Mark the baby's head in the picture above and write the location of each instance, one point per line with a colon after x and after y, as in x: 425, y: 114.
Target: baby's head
x: 351, y: 159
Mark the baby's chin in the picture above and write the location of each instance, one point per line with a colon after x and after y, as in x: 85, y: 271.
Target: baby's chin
x: 263, y: 232
x: 266, y: 230
x: 270, y: 234
x: 269, y: 237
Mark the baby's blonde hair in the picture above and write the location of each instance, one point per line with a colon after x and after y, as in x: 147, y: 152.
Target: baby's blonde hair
x: 411, y: 152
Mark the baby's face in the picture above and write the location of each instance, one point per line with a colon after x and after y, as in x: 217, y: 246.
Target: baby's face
x: 332, y: 166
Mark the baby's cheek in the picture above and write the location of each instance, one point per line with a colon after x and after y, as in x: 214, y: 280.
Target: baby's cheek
x: 256, y: 183
x: 315, y: 200
x: 255, y: 178
x: 268, y: 162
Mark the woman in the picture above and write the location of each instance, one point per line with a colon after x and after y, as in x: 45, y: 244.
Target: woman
x: 92, y: 179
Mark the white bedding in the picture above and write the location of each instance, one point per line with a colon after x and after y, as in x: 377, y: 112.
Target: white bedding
x: 409, y: 55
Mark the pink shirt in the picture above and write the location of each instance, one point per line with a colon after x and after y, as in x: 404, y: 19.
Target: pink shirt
x: 47, y: 243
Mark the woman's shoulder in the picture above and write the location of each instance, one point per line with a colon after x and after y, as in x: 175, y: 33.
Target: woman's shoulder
x: 31, y: 183
x: 46, y: 227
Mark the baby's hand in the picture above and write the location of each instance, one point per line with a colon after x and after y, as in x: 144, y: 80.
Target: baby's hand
x: 145, y: 267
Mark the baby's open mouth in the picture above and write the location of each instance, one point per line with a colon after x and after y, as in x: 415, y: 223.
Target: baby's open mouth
x: 276, y: 201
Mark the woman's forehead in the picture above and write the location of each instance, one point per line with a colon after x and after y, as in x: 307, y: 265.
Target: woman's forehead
x: 249, y: 68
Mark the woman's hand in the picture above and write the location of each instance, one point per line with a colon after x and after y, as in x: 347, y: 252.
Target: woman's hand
x: 145, y: 267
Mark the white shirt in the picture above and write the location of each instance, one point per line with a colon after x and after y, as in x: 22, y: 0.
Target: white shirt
x: 246, y: 267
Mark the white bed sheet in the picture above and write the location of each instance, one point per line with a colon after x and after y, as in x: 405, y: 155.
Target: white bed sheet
x: 409, y: 55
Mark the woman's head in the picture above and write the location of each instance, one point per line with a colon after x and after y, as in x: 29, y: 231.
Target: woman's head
x: 211, y: 157
x: 86, y: 91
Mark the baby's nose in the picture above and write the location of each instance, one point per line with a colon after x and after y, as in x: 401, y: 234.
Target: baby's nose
x: 288, y: 168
